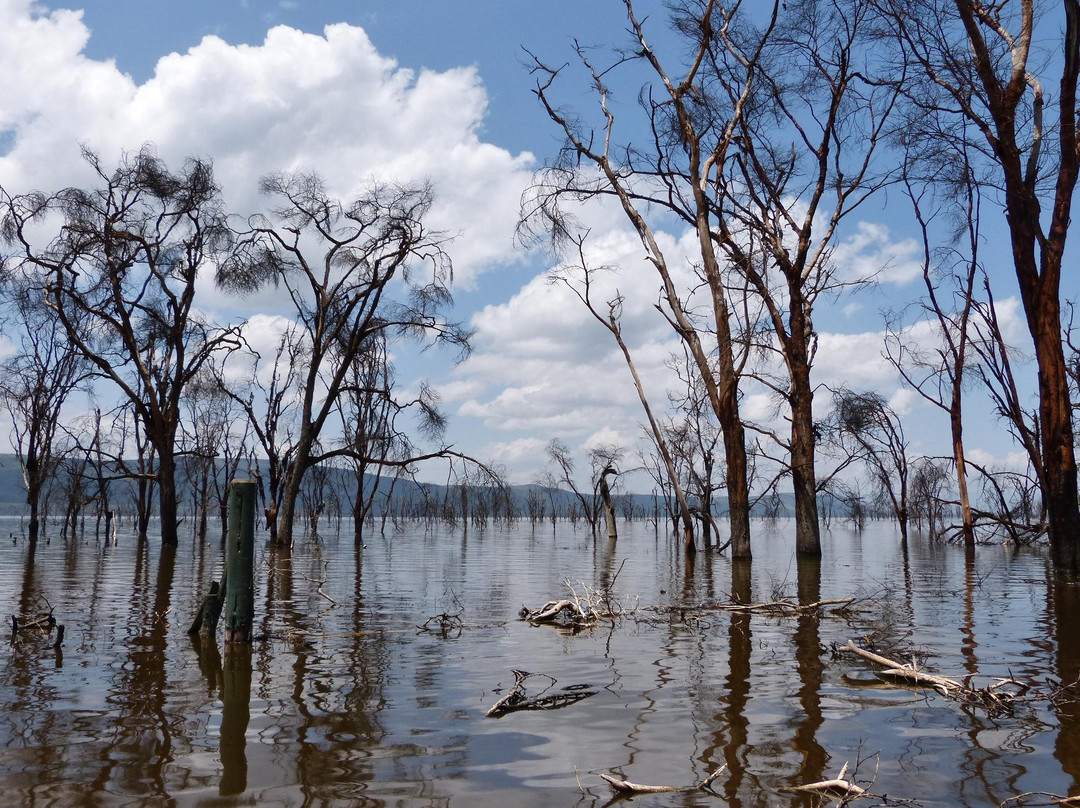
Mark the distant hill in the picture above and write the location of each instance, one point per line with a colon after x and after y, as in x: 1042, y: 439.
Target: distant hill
x: 12, y: 491
x: 13, y: 494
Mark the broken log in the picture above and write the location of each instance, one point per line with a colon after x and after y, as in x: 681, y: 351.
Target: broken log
x: 563, y: 612
x: 627, y: 787
x: 206, y: 618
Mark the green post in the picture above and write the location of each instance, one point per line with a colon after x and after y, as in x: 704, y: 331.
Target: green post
x: 240, y: 563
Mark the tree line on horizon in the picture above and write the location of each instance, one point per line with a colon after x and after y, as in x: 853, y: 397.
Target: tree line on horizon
x: 761, y: 134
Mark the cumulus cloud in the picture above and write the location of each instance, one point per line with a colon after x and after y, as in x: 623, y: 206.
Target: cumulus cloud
x: 871, y: 252
x: 326, y: 102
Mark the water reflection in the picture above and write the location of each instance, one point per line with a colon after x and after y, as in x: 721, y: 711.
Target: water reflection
x: 1065, y: 596
x: 235, y: 700
x: 740, y: 643
x: 810, y: 669
x: 343, y: 701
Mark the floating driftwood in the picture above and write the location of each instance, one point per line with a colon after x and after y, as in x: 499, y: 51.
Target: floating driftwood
x: 560, y: 612
x: 1000, y: 696
x: 838, y: 788
x: 626, y: 787
x: 547, y: 699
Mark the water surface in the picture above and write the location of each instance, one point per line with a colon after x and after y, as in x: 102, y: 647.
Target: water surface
x: 346, y: 702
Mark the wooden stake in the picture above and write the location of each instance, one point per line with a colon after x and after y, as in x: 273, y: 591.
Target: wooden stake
x: 240, y: 563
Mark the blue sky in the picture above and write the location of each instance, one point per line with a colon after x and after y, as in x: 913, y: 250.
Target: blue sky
x: 414, y: 90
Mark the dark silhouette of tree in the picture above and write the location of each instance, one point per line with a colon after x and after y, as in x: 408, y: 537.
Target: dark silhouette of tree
x: 351, y: 272
x: 35, y: 383
x: 121, y: 277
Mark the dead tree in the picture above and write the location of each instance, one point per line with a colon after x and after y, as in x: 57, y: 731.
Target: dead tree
x: 35, y: 382
x: 340, y: 266
x: 762, y: 146
x: 972, y: 72
x: 121, y: 278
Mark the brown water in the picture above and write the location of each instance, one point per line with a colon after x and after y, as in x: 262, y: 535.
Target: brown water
x: 347, y: 703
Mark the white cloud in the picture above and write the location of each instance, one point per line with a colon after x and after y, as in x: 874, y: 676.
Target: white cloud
x: 854, y: 360
x: 1016, y: 460
x: 871, y: 252
x: 298, y: 101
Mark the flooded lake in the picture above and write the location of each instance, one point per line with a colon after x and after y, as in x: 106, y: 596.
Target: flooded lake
x: 345, y: 701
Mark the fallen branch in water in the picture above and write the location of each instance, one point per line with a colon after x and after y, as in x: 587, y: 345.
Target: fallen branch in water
x: 517, y: 699
x: 838, y: 788
x: 773, y: 608
x: 784, y: 606
x: 626, y: 787
x: 1054, y: 799
x: 561, y: 612
x: 44, y: 622
x: 579, y: 610
x: 443, y: 624
x: 994, y: 697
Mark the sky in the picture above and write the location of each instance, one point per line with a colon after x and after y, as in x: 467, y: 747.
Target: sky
x: 420, y: 90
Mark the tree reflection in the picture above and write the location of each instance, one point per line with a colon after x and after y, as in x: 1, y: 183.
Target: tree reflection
x: 142, y: 746
x: 738, y: 682
x: 811, y: 670
x: 236, y: 700
x: 1065, y: 598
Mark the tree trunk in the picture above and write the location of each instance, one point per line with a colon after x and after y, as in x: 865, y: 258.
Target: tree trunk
x: 167, y: 502
x: 1059, y: 458
x: 967, y: 521
x: 32, y: 528
x: 609, y: 507
x: 738, y: 487
x: 803, y: 476
x: 289, y: 496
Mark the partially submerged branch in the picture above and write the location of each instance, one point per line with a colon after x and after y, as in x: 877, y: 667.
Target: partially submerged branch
x: 627, y: 787
x: 1000, y: 696
x: 838, y: 788
x: 518, y: 699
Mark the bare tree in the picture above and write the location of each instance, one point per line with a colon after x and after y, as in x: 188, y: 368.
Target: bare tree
x: 695, y: 439
x: 929, y: 481
x: 121, y: 277
x: 688, y: 140
x: 213, y: 438
x: 867, y: 421
x: 973, y: 74
x: 563, y: 474
x: 763, y: 147
x: 35, y: 382
x: 579, y: 280
x: 341, y: 266
x: 938, y: 371
x: 269, y: 402
x: 604, y: 462
x: 372, y: 422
